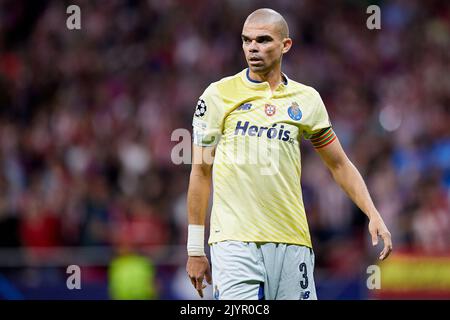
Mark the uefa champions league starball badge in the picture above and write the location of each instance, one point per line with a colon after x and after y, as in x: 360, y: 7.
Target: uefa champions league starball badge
x: 201, y: 108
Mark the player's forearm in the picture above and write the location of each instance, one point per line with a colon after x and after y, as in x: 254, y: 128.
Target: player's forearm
x: 351, y: 181
x: 198, y: 197
x: 197, y: 202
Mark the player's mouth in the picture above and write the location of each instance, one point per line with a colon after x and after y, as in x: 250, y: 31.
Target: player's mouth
x: 255, y: 60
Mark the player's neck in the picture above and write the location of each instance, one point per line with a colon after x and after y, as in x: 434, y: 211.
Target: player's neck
x: 273, y: 77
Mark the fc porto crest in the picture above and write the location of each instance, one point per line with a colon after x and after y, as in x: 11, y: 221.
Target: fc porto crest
x: 270, y: 109
x: 294, y: 111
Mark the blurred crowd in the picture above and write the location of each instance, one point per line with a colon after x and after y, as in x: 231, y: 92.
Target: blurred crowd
x: 86, y: 118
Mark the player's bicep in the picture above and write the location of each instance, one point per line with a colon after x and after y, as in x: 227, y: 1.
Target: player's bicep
x: 332, y: 154
x: 202, y: 160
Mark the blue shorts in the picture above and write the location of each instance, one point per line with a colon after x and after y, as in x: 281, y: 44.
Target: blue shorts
x: 271, y: 271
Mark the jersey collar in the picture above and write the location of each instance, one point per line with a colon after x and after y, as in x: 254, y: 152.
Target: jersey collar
x: 259, y: 84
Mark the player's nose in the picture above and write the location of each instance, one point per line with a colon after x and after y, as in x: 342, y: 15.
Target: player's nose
x: 253, y: 47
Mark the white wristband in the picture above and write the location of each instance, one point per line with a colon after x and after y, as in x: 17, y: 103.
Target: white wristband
x: 196, y: 238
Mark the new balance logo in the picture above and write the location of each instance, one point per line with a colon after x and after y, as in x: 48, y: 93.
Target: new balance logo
x: 245, y: 106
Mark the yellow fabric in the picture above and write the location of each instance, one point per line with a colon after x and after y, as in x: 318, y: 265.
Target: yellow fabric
x: 256, y: 173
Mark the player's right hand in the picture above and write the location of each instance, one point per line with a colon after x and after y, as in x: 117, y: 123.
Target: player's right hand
x: 197, y: 269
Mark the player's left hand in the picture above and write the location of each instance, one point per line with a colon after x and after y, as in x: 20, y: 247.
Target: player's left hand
x: 378, y: 228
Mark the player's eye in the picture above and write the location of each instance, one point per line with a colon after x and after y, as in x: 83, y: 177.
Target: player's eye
x: 263, y: 40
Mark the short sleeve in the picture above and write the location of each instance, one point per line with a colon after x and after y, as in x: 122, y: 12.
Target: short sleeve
x: 319, y: 120
x: 319, y: 131
x: 208, y: 119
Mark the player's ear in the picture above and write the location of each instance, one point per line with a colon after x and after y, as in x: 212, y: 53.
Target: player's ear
x: 287, y: 44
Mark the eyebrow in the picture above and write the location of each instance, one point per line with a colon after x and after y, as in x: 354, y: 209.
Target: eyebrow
x: 258, y: 38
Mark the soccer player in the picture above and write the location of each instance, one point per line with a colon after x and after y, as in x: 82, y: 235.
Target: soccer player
x: 247, y: 130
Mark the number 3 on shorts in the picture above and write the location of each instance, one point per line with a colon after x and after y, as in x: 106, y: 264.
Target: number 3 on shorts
x: 303, y: 270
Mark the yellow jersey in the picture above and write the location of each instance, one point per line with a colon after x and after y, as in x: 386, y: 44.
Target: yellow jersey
x: 257, y: 195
